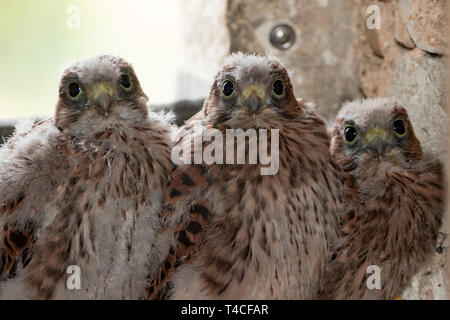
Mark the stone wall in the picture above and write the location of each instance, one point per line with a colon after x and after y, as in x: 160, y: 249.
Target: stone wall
x: 322, y: 56
x: 404, y: 59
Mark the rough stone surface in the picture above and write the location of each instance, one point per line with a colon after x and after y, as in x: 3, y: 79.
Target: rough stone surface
x: 420, y: 85
x: 427, y: 23
x: 430, y: 283
x: 401, y: 33
x: 376, y: 62
x: 322, y: 56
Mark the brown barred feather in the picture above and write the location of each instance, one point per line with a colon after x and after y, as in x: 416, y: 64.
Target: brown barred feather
x: 188, y: 234
x: 393, y: 209
x: 265, y: 237
x: 85, y: 189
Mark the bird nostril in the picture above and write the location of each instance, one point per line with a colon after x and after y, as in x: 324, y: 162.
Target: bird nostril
x: 254, y: 104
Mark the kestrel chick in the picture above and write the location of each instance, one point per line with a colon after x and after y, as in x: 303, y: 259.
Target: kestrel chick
x: 84, y: 189
x: 242, y: 234
x: 394, y: 203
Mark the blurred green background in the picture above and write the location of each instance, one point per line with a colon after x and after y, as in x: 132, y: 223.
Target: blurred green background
x: 39, y: 38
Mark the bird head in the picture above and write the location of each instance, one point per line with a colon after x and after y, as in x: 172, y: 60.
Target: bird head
x: 99, y: 93
x: 375, y: 130
x: 249, y: 92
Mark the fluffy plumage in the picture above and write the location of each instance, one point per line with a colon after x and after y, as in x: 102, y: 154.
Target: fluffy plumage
x: 239, y: 234
x: 394, y: 201
x: 85, y: 189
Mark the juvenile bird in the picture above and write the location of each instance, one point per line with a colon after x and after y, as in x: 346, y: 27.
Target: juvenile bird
x: 242, y: 233
x: 394, y: 203
x: 84, y: 189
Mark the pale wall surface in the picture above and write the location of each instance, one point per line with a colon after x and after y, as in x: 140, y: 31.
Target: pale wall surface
x: 322, y: 57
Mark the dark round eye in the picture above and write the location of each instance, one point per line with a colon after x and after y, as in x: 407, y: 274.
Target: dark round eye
x: 278, y: 88
x: 228, y: 88
x: 125, y: 81
x: 350, y: 134
x: 74, y: 90
x: 399, y: 128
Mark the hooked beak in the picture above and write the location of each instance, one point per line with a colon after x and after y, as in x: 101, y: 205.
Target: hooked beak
x: 253, y: 104
x: 102, y: 98
x: 104, y: 101
x: 254, y: 96
x: 377, y: 141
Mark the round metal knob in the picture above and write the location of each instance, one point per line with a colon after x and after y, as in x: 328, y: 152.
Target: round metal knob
x: 282, y: 36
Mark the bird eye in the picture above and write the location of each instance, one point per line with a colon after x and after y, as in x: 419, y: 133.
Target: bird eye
x: 74, y: 90
x: 228, y: 88
x: 125, y: 82
x: 399, y: 128
x: 278, y: 88
x: 350, y: 134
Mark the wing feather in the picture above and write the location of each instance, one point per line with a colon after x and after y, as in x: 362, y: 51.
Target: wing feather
x: 184, y: 196
x: 30, y: 172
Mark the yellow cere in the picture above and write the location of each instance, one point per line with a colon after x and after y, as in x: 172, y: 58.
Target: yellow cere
x: 101, y: 88
x: 376, y: 132
x: 254, y: 89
